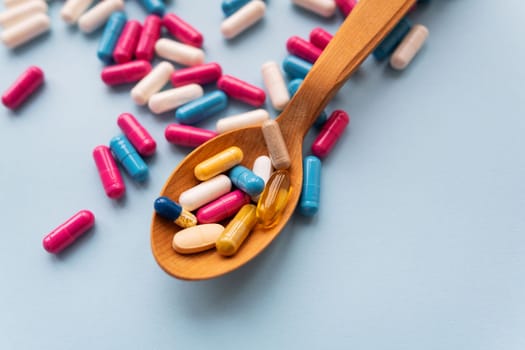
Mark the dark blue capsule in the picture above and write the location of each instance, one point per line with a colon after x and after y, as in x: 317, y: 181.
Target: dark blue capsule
x: 246, y: 180
x: 390, y: 42
x: 129, y: 158
x: 311, y: 189
x: 296, y: 67
x: 229, y: 7
x: 202, y: 108
x: 110, y: 36
x: 155, y: 7
x: 293, y: 86
x: 167, y: 208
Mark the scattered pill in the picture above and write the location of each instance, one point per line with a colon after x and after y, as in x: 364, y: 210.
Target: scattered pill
x: 251, y: 118
x: 202, y: 108
x: 110, y: 36
x: 345, y: 6
x: 109, y: 173
x: 129, y: 72
x: 23, y: 87
x: 99, y: 14
x: 246, y: 180
x: 182, y: 31
x: 15, y: 14
x: 205, y: 192
x: 389, y: 43
x: 13, y: 3
x: 237, y: 230
x: 276, y: 145
x: 180, y: 53
x: 173, y: 211
x: 296, y: 67
x: 156, y: 7
x: 320, y: 37
x: 218, y: 163
x: 311, y: 189
x: 129, y: 157
x: 127, y: 42
x: 65, y: 234
x: 151, y: 83
x: 197, y: 238
x: 150, y: 34
x: 168, y: 100
x: 187, y: 136
x: 409, y: 47
x: 139, y: 137
x: 330, y: 133
x: 324, y: 8
x: 25, y: 30
x: 201, y: 74
x: 275, y: 84
x: 72, y: 9
x: 223, y: 207
x: 273, y: 199
x: 241, y: 90
x: 301, y: 48
x: 231, y: 6
x: 243, y: 18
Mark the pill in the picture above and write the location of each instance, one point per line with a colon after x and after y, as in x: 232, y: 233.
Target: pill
x: 65, y: 234
x: 409, y: 47
x: 16, y: 14
x: 205, y: 192
x: 25, y: 30
x: 389, y: 43
x: 237, y: 230
x: 128, y: 156
x: 246, y: 180
x: 72, y: 9
x: 243, y: 19
x: 13, y: 3
x: 173, y: 211
x: 275, y: 144
x: 187, y: 135
x: 242, y: 120
x: 296, y: 67
x: 345, y: 6
x: 180, y: 53
x: 330, y: 133
x: 324, y: 8
x: 109, y: 173
x: 218, y: 163
x: 151, y: 83
x: 156, y: 7
x: 240, y: 90
x: 223, y: 207
x: 148, y: 37
x: 139, y: 137
x: 99, y: 14
x: 293, y: 86
x: 110, y: 35
x: 301, y: 48
x: 181, y: 30
x: 273, y: 199
x: 202, y: 108
x: 197, y: 238
x: 275, y: 84
x: 23, y: 87
x: 201, y: 74
x: 311, y: 188
x: 231, y: 6
x: 262, y: 167
x: 170, y: 99
x: 320, y: 37
x: 124, y: 73
x: 127, y: 42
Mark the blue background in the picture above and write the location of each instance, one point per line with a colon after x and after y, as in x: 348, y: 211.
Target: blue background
x: 419, y: 244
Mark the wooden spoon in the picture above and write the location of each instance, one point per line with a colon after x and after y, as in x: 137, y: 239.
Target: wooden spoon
x: 360, y: 33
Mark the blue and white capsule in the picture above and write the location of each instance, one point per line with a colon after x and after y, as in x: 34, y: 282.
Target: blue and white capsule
x: 293, y: 86
x: 390, y: 42
x: 155, y: 7
x: 128, y: 156
x: 112, y: 31
x: 202, y: 108
x: 296, y: 67
x: 246, y: 180
x: 229, y: 7
x: 173, y: 211
x: 311, y: 189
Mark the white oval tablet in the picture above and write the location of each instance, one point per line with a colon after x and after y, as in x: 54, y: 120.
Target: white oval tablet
x: 196, y: 239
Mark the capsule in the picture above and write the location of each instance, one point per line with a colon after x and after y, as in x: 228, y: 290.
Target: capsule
x: 330, y: 133
x: 180, y: 53
x: 252, y: 118
x: 276, y: 145
x: 155, y: 7
x: 129, y: 158
x: 324, y: 8
x: 168, y: 100
x: 187, y: 136
x: 273, y: 199
x: 246, y: 180
x: 139, y: 137
x: 99, y: 14
x: 243, y: 19
x: 293, y: 86
x: 23, y: 87
x: 320, y: 37
x: 109, y: 173
x: 65, y: 234
x: 223, y: 207
x: 127, y: 42
x: 202, y: 108
x: 275, y: 84
x: 196, y: 239
x: 148, y: 37
x: 229, y: 7
x: 296, y: 67
x: 112, y: 30
x: 262, y: 167
x: 16, y: 14
x: 218, y: 163
x: 152, y: 82
x: 409, y: 47
x: 182, y: 30
x: 25, y: 30
x: 237, y: 230
x: 125, y: 73
x: 201, y: 74
x: 301, y: 48
x: 72, y: 9
x: 311, y: 189
x: 345, y: 6
x: 205, y: 192
x: 390, y: 42
x: 241, y: 90
x: 173, y: 211
x: 14, y: 3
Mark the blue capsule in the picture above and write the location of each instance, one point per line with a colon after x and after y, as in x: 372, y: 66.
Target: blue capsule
x: 109, y: 38
x: 390, y: 42
x: 246, y: 180
x: 129, y: 158
x: 293, y: 86
x: 155, y: 7
x: 202, y: 108
x: 167, y: 208
x: 311, y: 189
x: 229, y: 7
x: 296, y: 67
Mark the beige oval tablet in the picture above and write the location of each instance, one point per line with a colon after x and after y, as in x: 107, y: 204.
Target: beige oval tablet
x: 196, y: 239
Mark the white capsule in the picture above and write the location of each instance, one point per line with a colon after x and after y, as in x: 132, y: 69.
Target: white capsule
x: 170, y: 99
x: 98, y: 15
x: 275, y: 84
x: 151, y: 83
x: 409, y: 47
x: 262, y: 167
x: 178, y: 52
x: 325, y: 8
x: 205, y: 192
x: 73, y: 9
x: 25, y: 30
x: 196, y: 239
x: 14, y: 3
x: 18, y: 13
x: 252, y: 118
x: 243, y: 18
x: 275, y: 144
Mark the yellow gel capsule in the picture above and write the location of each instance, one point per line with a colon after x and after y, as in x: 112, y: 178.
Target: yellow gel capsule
x: 237, y: 230
x: 219, y: 163
x: 274, y: 198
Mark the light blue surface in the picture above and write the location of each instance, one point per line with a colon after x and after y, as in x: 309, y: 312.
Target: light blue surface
x: 419, y: 242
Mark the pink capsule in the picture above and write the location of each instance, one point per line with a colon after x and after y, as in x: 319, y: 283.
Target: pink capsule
x: 127, y: 42
x: 187, y: 135
x: 23, y: 87
x: 128, y: 72
x: 182, y: 31
x: 320, y: 37
x: 222, y: 208
x: 68, y: 232
x: 137, y: 134
x: 330, y: 133
x: 202, y: 74
x: 345, y: 6
x: 109, y: 173
x: 149, y: 36
x: 241, y: 90
x: 301, y: 48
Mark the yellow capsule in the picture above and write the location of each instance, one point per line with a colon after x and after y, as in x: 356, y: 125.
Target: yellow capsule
x: 219, y: 163
x: 274, y: 198
x: 237, y: 230
x: 186, y: 219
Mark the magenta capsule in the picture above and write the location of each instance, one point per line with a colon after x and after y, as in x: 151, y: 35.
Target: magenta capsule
x: 23, y: 87
x: 303, y: 49
x: 222, y: 208
x: 320, y: 37
x: 187, y: 135
x: 345, y: 6
x: 181, y: 30
x: 127, y: 42
x: 109, y: 173
x: 137, y: 134
x: 241, y: 90
x: 124, y: 73
x: 150, y: 34
x: 330, y: 133
x: 69, y: 231
x: 202, y: 74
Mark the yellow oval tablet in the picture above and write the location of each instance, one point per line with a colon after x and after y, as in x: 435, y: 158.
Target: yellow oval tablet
x: 196, y: 239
